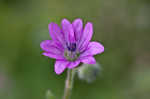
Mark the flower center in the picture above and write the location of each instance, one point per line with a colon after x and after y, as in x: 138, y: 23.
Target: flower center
x: 71, y: 47
x: 70, y: 53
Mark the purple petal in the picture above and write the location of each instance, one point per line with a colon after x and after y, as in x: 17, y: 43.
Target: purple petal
x: 53, y: 50
x: 68, y: 31
x: 77, y: 26
x: 55, y: 32
x: 93, y: 49
x: 86, y: 37
x: 47, y: 45
x: 73, y: 64
x: 54, y: 55
x: 88, y: 60
x: 60, y: 66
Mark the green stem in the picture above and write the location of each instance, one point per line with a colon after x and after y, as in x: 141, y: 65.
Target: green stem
x: 69, y: 83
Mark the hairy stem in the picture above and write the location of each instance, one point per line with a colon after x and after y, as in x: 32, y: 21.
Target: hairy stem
x: 69, y: 83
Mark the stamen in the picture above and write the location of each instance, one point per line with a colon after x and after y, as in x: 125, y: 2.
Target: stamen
x: 71, y: 47
x: 70, y: 53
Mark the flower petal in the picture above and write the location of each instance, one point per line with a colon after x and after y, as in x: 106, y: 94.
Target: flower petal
x: 47, y: 45
x: 68, y: 31
x: 88, y: 60
x: 73, y: 64
x: 93, y: 49
x: 56, y: 33
x: 54, y: 55
x: 53, y: 50
x: 78, y: 27
x: 60, y: 66
x: 86, y: 37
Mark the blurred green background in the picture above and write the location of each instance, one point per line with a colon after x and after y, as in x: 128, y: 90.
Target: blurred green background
x: 122, y: 26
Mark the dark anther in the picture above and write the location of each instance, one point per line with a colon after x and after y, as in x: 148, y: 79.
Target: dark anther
x: 71, y: 47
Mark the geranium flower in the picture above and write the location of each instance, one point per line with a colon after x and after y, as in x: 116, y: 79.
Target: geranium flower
x: 71, y: 44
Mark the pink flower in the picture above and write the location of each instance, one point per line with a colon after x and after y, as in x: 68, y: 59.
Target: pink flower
x: 71, y: 44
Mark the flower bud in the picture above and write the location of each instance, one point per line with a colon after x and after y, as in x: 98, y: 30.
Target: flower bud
x: 49, y: 95
x: 89, y: 72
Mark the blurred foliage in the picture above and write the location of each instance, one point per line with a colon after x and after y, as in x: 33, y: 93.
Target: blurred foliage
x: 122, y: 26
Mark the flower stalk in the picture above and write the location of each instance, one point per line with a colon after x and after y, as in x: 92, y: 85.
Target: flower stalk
x: 69, y: 83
